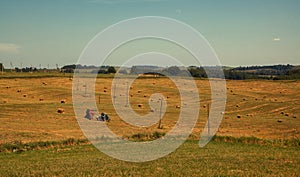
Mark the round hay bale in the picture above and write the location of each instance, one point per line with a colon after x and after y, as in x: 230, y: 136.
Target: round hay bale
x: 7, y: 87
x: 41, y: 99
x: 45, y: 83
x: 244, y: 99
x: 168, y: 96
x: 60, y: 110
x: 104, y: 91
x: 294, y: 116
x: 140, y: 105
x: 19, y: 90
x: 177, y: 106
x: 131, y: 95
x: 282, y: 112
x: 279, y: 120
x: 24, y: 95
x: 63, y: 101
x: 145, y: 96
x: 237, y: 106
x: 151, y: 110
x: 139, y: 91
x: 204, y: 106
x: 287, y: 114
x: 239, y: 116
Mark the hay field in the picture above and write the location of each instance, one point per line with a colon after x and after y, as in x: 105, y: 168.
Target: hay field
x: 28, y: 108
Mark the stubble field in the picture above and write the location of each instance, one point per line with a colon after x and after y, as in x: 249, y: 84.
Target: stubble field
x: 267, y: 110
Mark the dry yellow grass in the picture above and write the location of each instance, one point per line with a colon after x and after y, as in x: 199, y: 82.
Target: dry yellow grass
x: 34, y: 117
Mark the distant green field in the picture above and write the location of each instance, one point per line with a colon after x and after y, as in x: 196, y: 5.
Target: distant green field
x: 216, y: 159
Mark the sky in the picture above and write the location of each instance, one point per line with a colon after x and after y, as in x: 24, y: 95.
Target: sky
x: 45, y: 33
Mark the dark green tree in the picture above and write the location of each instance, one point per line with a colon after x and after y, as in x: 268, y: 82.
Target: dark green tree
x: 111, y: 69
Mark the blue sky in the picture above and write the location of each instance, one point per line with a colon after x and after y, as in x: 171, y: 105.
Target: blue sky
x: 253, y: 32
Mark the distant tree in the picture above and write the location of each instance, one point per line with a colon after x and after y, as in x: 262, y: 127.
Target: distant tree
x: 1, y: 67
x: 197, y: 72
x: 111, y: 69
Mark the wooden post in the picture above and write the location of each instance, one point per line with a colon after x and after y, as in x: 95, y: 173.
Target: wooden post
x: 127, y: 97
x: 77, y: 83
x: 114, y: 93
x: 208, y: 121
x: 160, y: 112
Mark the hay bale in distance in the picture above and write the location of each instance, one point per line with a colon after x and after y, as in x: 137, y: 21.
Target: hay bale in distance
x: 279, y: 120
x: 177, y: 106
x: 41, y: 99
x: 63, y: 101
x: 239, y: 116
x: 140, y: 105
x: 60, y: 110
x: 19, y: 90
x: 139, y: 91
x: 24, y: 95
x: 287, y: 114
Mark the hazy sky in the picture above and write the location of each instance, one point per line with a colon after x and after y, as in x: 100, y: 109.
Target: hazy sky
x: 242, y: 32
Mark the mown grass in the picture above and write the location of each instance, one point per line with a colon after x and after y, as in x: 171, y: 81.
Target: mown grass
x: 216, y: 159
x: 19, y: 146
